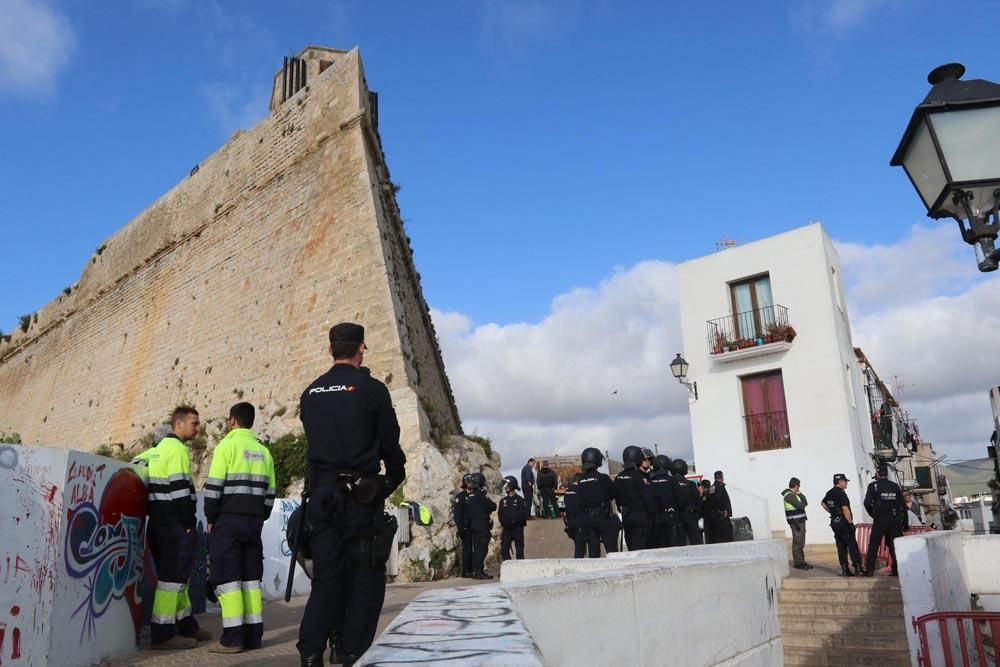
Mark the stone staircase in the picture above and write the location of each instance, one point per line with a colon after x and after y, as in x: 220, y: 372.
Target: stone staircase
x: 833, y: 620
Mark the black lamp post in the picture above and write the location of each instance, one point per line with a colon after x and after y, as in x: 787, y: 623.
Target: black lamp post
x: 679, y: 369
x: 951, y: 152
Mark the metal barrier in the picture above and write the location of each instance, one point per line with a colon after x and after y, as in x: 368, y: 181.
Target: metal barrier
x: 863, y: 534
x: 985, y: 632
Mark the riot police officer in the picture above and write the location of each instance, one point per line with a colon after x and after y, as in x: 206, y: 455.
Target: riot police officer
x: 838, y: 505
x: 571, y: 500
x: 350, y: 426
x: 595, y: 491
x: 688, y: 505
x: 884, y: 502
x: 634, y: 498
x: 513, y: 515
x: 664, y: 523
x: 458, y: 504
x: 478, y: 509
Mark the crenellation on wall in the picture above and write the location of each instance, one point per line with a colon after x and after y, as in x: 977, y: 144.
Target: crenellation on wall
x: 225, y: 287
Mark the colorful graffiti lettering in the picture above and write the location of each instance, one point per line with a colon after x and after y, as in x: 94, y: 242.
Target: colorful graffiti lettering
x: 287, y: 507
x: 105, y: 545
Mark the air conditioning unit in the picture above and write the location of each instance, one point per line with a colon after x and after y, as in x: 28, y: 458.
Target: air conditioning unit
x: 908, y: 484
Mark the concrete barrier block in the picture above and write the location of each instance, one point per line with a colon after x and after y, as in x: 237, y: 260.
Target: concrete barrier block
x: 585, y: 618
x: 467, y: 626
x: 772, y: 549
x: 72, y: 556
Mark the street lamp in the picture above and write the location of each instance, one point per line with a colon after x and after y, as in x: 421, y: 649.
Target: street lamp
x: 679, y: 368
x: 950, y: 152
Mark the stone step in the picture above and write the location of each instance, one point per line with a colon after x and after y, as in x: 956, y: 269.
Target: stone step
x: 812, y: 624
x: 877, y: 596
x: 846, y: 641
x: 820, y: 607
x: 840, y: 583
x: 854, y: 657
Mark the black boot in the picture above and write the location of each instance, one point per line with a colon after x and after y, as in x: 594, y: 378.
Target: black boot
x: 336, y: 648
x: 845, y: 571
x: 315, y: 660
x: 862, y: 572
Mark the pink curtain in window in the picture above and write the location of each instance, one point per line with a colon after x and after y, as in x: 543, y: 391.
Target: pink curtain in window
x: 755, y: 395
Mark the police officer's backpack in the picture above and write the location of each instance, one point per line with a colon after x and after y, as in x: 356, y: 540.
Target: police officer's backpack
x: 304, y: 553
x: 421, y: 514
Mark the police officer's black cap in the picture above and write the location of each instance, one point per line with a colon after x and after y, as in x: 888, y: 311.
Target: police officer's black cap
x: 840, y: 477
x: 347, y: 332
x: 719, y: 475
x: 883, y: 470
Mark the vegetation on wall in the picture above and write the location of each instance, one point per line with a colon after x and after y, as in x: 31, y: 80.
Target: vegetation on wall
x: 289, y: 454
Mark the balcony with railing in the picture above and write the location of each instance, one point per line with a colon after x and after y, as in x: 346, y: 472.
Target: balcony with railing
x: 767, y: 430
x: 749, y: 334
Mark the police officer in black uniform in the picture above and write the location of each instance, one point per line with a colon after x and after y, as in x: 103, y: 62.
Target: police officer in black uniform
x: 571, y: 500
x: 595, y: 491
x: 664, y: 523
x: 884, y: 502
x: 688, y: 505
x: 478, y: 509
x: 838, y: 505
x: 458, y: 504
x: 720, y: 510
x: 350, y: 426
x: 634, y: 498
x: 513, y: 515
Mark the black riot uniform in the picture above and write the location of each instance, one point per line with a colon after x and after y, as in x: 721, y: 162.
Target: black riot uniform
x: 634, y: 499
x: 350, y: 426
x: 720, y: 511
x: 571, y: 518
x: 664, y: 524
x: 688, y: 505
x: 595, y: 491
x: 458, y: 504
x: 478, y: 509
x: 843, y: 531
x: 513, y: 516
x: 884, y: 502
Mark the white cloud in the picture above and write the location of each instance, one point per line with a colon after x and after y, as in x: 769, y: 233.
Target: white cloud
x: 931, y: 260
x: 236, y: 107
x: 36, y: 43
x: 593, y: 372
x: 548, y: 387
x: 833, y: 16
x: 514, y: 29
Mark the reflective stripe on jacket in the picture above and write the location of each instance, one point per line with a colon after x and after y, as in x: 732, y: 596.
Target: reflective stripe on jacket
x: 792, y: 513
x: 171, y: 491
x: 241, y: 477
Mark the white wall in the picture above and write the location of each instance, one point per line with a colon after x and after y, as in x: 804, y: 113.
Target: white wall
x: 818, y: 370
x: 933, y: 577
x: 73, y: 540
x: 982, y: 555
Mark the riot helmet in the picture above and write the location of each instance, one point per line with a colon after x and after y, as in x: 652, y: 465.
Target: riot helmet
x: 591, y: 458
x: 478, y: 480
x: 631, y: 456
x: 467, y: 480
x: 647, y: 453
x: 661, y: 462
x: 679, y: 467
x: 511, y: 482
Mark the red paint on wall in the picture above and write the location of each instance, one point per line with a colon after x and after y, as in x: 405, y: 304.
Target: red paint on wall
x: 15, y: 610
x: 15, y: 650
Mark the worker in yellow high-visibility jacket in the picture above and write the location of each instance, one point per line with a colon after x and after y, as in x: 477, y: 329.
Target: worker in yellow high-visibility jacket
x: 239, y: 496
x: 171, y: 534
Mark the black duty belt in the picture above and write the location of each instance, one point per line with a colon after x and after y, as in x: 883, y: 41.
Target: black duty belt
x: 603, y: 510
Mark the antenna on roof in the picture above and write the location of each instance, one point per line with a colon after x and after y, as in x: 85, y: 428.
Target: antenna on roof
x: 724, y: 244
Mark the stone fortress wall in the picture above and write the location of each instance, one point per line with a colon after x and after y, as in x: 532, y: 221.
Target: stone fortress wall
x: 225, y: 287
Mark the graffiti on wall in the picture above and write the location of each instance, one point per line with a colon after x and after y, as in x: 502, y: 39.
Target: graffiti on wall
x: 105, y: 542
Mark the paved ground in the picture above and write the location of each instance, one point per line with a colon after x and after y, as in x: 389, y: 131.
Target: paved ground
x: 281, y: 628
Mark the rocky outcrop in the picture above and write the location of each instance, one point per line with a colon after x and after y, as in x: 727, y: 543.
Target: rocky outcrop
x: 433, y: 475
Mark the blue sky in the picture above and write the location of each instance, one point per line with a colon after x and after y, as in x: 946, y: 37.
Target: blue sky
x: 542, y: 147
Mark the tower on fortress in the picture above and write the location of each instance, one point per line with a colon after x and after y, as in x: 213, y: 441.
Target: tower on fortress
x: 225, y: 287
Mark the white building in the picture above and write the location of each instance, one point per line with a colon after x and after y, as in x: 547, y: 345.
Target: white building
x: 780, y: 393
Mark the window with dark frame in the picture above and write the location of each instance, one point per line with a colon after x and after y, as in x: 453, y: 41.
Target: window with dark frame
x: 753, y: 306
x: 765, y: 412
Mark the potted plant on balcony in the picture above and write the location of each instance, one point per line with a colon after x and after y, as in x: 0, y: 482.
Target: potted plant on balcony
x: 744, y: 343
x: 789, y: 333
x: 774, y: 332
x: 721, y: 343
